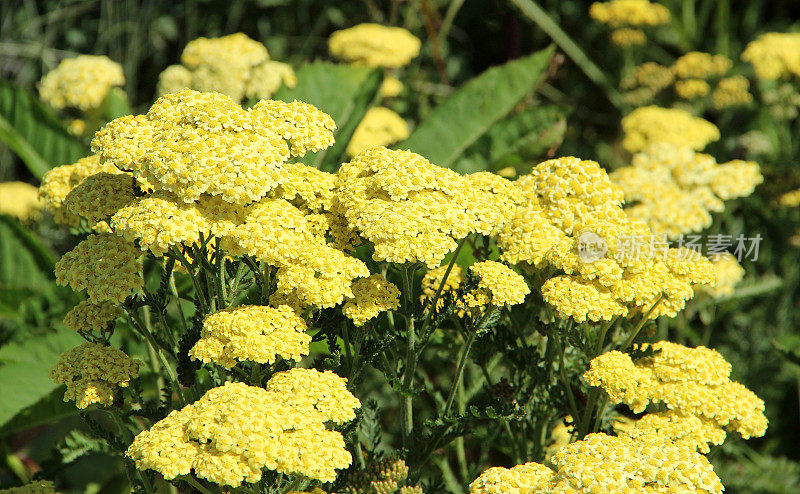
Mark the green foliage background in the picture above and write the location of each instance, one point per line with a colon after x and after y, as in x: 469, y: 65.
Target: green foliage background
x: 507, y: 117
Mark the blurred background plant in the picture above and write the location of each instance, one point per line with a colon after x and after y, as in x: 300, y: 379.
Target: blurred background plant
x: 598, y: 76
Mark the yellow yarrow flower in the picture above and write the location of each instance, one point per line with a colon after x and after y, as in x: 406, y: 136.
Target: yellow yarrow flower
x: 379, y: 127
x: 390, y: 87
x: 92, y: 372
x: 626, y: 36
x: 790, y: 199
x: 20, y: 200
x: 521, y: 479
x: 731, y: 91
x: 267, y: 78
x: 88, y: 318
x: 692, y: 88
x: 690, y: 381
x: 774, y: 55
x: 254, y: 333
x: 505, y: 286
x: 372, y: 296
x: 629, y: 13
x: 651, y: 124
x: 106, y: 266
x: 81, y: 82
x: 99, y: 197
x: 688, y: 431
x: 234, y: 431
x: 374, y: 45
x: 699, y: 65
x: 727, y: 272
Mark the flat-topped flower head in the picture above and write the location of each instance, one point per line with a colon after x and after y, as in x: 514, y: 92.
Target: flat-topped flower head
x: 379, y: 127
x: 371, y: 296
x: 90, y: 319
x: 699, y: 65
x: 82, y: 82
x: 774, y: 55
x: 618, y: 13
x: 192, y: 143
x: 235, y: 431
x: 20, y: 200
x: 689, y: 431
x: 651, y: 124
x: 92, y: 372
x: 689, y: 381
x: 105, y: 265
x: 254, y: 333
x: 99, y: 197
x: 374, y: 45
x: 505, y: 286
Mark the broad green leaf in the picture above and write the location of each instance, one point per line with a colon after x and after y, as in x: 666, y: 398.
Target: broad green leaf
x: 32, y: 131
x: 470, y: 112
x: 341, y: 91
x: 24, y: 261
x: 116, y: 104
x: 50, y: 408
x: 25, y: 368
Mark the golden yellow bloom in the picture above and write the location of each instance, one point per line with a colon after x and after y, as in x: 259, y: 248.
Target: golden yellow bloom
x: 92, y: 372
x: 372, y: 296
x: 675, y: 190
x: 192, y: 143
x: 774, y: 55
x: 106, y: 266
x: 689, y: 381
x: 88, y: 317
x: 173, y: 79
x: 374, y: 45
x: 34, y: 487
x: 728, y: 273
x: 390, y: 87
x: 77, y: 127
x: 625, y: 36
x: 20, y: 200
x: 99, y: 197
x: 651, y: 124
x: 790, y: 199
x: 306, y: 187
x: 267, y: 78
x: 505, y: 286
x: 255, y: 333
x: 81, y: 82
x: 629, y: 13
x: 61, y: 180
x: 731, y: 91
x: 688, y: 431
x: 521, y: 479
x: 581, y: 300
x: 692, y: 88
x: 235, y: 430
x: 699, y: 65
x: 379, y: 127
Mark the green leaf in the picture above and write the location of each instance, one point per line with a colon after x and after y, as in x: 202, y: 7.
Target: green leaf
x: 24, y: 261
x: 32, y: 131
x: 24, y: 372
x: 49, y: 409
x: 471, y: 111
x: 116, y: 104
x: 343, y: 92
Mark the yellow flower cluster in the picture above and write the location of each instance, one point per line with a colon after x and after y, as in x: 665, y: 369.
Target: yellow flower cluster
x: 379, y: 127
x: 390, y: 87
x: 20, y: 200
x: 434, y: 277
x: 88, y: 317
x: 692, y: 88
x: 374, y: 45
x: 92, y: 372
x: 104, y: 265
x: 34, y: 487
x: 603, y: 463
x: 234, y: 65
x: 728, y: 273
x: 675, y: 190
x: 653, y: 75
x: 651, y: 124
x: 234, y: 431
x: 731, y: 91
x: 572, y: 204
x: 504, y: 285
x: 98, y: 198
x: 254, y: 333
x: 81, y: 82
x: 626, y: 36
x: 412, y: 210
x: 689, y: 381
x: 699, y: 65
x: 790, y: 199
x: 371, y: 296
x: 61, y: 180
x: 688, y: 431
x: 192, y: 143
x: 386, y: 476
x: 629, y: 13
x: 774, y: 55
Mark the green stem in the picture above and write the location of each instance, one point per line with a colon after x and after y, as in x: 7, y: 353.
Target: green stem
x: 563, y: 373
x: 144, y: 330
x: 197, y: 485
x: 538, y: 15
x: 407, y: 420
x: 602, y: 337
x: 430, y: 305
x: 462, y: 362
x: 639, y: 326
